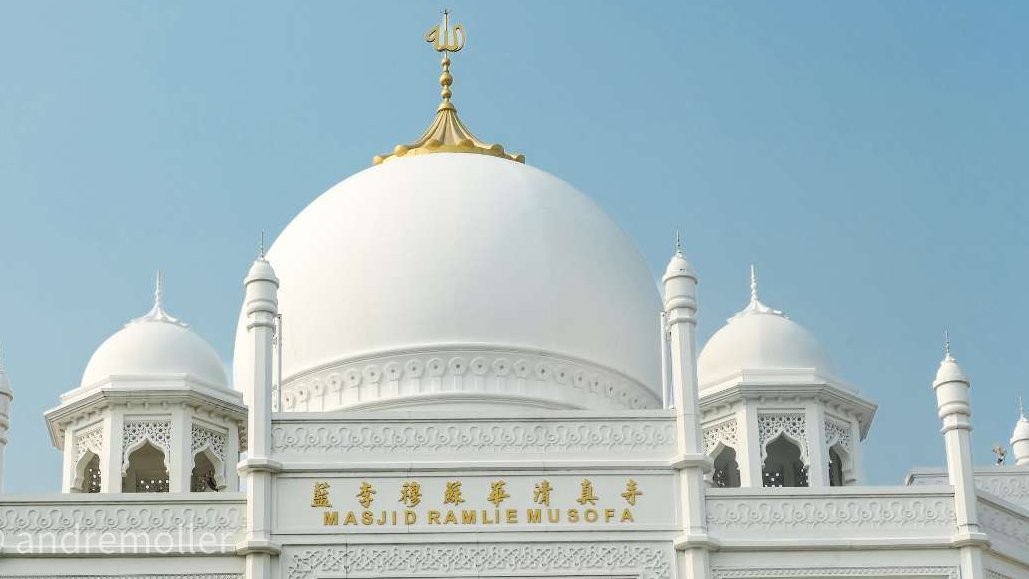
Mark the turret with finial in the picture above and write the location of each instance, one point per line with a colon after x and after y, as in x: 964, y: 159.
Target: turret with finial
x: 1020, y: 437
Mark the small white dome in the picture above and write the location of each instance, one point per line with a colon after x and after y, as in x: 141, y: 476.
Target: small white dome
x: 950, y: 371
x: 758, y: 339
x: 155, y: 346
x: 461, y: 251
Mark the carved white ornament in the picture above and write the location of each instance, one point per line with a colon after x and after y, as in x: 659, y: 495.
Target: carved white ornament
x: 89, y: 440
x: 206, y: 438
x: 871, y: 572
x: 489, y: 373
x: 999, y: 522
x: 793, y: 424
x: 725, y: 432
x: 643, y: 560
x: 817, y: 513
x: 137, y: 576
x: 156, y: 432
x: 837, y: 432
x: 474, y: 436
x: 83, y: 525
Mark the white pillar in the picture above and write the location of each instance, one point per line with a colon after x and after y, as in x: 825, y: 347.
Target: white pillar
x: 231, y: 476
x: 261, y: 307
x: 70, y: 460
x: 111, y: 459
x: 680, y: 283
x: 749, y: 454
x: 180, y: 461
x: 952, y: 401
x: 818, y: 455
x: 855, y: 473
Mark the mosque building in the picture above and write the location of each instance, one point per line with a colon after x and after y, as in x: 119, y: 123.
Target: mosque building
x: 480, y: 395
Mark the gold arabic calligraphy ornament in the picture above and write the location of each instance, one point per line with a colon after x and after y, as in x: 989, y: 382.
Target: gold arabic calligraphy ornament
x: 442, y: 43
x: 447, y: 134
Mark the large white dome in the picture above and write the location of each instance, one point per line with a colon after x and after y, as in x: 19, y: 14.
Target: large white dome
x: 461, y: 278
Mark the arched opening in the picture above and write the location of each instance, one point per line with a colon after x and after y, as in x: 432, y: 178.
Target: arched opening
x: 87, y: 473
x: 146, y: 472
x: 726, y: 470
x: 841, y: 468
x: 206, y: 476
x: 783, y: 467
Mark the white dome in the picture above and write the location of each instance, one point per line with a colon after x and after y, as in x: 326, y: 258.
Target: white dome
x: 463, y: 254
x: 756, y: 341
x: 148, y: 348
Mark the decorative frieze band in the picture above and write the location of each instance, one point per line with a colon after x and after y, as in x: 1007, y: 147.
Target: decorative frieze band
x: 646, y: 438
x: 195, y: 526
x: 936, y: 572
x: 643, y: 560
x: 551, y: 380
x: 735, y: 514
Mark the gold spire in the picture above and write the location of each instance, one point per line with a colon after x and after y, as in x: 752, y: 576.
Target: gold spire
x: 447, y: 134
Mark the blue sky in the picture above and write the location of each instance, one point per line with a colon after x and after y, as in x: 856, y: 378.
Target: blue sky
x: 868, y: 157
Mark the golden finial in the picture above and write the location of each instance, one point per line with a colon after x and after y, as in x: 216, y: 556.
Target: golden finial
x: 447, y: 134
x: 446, y: 40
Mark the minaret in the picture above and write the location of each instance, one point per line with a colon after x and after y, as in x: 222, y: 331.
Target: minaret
x: 6, y: 396
x: 261, y: 306
x: 1020, y: 438
x: 680, y: 283
x: 951, y: 386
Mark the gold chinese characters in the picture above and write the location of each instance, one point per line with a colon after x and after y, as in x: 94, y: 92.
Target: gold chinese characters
x: 497, y: 493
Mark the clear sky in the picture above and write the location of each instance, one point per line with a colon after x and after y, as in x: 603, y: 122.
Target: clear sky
x: 869, y: 158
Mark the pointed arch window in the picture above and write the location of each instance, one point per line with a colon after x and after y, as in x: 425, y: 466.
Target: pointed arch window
x: 147, y: 471
x: 783, y: 466
x: 726, y: 472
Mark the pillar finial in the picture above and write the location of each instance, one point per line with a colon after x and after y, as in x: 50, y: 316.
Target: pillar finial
x: 678, y: 242
x: 159, y: 291
x: 946, y: 346
x: 753, y: 285
x: 260, y: 251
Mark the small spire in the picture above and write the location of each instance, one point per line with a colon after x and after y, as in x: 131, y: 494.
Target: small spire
x: 946, y: 347
x: 260, y: 251
x: 753, y: 285
x: 678, y: 243
x: 159, y: 291
x: 755, y: 306
x: 157, y: 313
